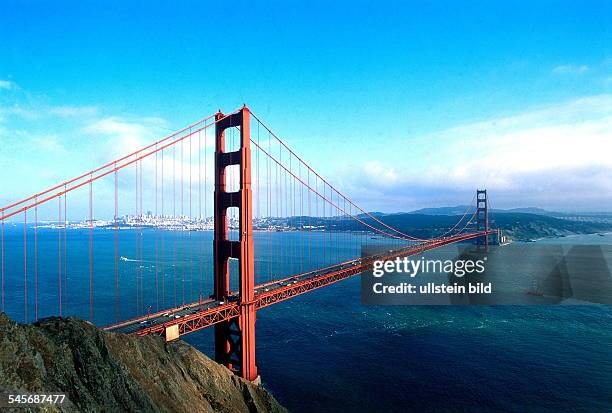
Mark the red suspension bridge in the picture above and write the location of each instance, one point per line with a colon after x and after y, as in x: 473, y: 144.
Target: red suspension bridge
x: 203, y: 228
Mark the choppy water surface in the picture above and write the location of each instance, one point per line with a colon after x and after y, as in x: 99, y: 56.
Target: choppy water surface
x: 324, y: 351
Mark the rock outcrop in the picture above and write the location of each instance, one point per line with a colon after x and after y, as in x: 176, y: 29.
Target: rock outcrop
x: 100, y: 371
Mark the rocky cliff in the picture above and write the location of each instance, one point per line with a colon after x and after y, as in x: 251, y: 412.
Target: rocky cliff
x: 102, y: 371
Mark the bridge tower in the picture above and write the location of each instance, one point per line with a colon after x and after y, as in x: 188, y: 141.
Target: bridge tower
x: 482, y: 217
x: 235, y: 339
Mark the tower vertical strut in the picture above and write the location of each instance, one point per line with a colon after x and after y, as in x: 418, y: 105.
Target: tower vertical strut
x: 235, y: 338
x: 482, y: 217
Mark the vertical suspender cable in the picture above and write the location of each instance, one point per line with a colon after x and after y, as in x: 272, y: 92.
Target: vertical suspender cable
x: 200, y: 222
x: 2, y: 257
x: 174, y: 220
x: 190, y: 221
x: 25, y: 265
x: 91, y: 314
x: 269, y: 208
x: 36, y: 260
x: 310, y: 229
x: 258, y: 201
x: 59, y: 252
x: 116, y: 245
x: 163, y: 234
x: 65, y: 282
x: 279, y: 212
x: 205, y: 195
x: 291, y: 208
x: 136, y: 260
x: 156, y: 230
x: 182, y: 251
x: 140, y: 240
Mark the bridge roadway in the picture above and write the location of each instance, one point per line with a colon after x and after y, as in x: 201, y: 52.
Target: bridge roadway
x: 205, y: 313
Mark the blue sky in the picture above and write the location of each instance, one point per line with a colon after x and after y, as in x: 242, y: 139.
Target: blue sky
x: 402, y: 104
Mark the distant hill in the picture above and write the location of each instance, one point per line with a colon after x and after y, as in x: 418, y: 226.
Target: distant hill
x: 460, y: 210
x: 450, y: 210
x: 518, y: 225
x: 526, y: 226
x: 529, y: 210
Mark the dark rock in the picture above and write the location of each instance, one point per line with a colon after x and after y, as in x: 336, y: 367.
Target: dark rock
x: 100, y: 371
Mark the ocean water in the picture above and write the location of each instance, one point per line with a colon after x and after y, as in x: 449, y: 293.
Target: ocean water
x: 324, y: 351
x: 155, y: 269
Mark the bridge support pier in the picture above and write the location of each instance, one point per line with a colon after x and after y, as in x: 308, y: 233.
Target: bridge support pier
x: 171, y: 333
x: 235, y: 339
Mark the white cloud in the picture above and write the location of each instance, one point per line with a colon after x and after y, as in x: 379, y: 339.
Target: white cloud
x: 125, y: 135
x: 378, y: 172
x: 18, y: 111
x: 72, y: 111
x: 47, y: 144
x: 64, y: 141
x: 570, y: 69
x: 8, y: 85
x: 570, y: 135
x: 558, y: 157
x: 118, y: 137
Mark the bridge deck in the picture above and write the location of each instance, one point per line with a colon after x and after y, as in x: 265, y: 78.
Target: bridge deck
x: 205, y: 313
